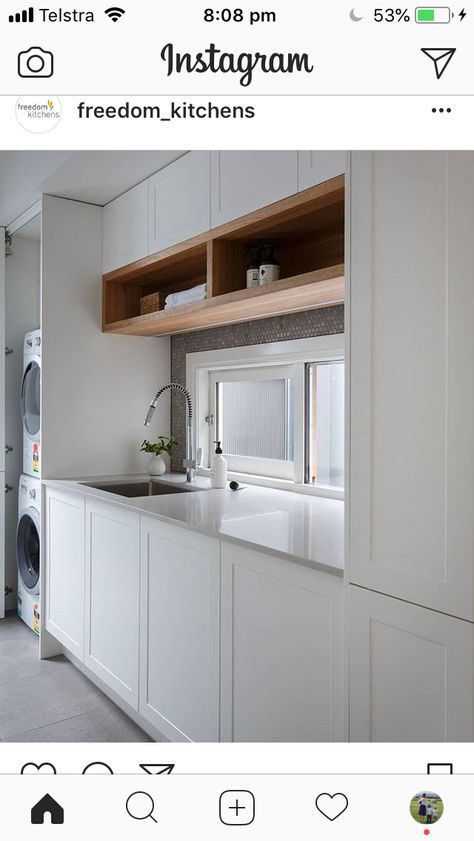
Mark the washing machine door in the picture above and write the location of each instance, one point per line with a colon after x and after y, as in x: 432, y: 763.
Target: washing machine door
x: 28, y: 549
x: 30, y: 399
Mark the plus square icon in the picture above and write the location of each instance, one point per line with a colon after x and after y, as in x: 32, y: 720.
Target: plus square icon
x: 237, y: 808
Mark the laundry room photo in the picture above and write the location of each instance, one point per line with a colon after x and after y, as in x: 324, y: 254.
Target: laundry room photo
x: 237, y: 455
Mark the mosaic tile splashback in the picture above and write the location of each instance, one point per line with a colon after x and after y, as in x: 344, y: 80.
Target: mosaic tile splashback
x: 322, y: 322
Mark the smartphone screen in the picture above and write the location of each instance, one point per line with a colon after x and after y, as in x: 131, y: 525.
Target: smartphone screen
x: 236, y: 426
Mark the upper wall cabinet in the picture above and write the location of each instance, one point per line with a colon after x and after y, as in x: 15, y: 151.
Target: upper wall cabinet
x: 412, y: 377
x: 179, y: 201
x: 125, y: 228
x: 316, y: 167
x: 244, y: 181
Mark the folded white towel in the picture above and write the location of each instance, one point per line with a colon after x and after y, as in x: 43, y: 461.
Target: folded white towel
x: 197, y: 293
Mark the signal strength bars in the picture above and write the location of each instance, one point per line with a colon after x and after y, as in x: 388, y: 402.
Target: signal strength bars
x: 26, y: 16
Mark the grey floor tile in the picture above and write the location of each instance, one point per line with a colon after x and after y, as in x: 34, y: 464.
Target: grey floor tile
x: 34, y: 702
x: 51, y: 700
x: 96, y: 726
x: 19, y: 659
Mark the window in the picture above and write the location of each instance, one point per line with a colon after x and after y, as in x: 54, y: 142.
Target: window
x: 278, y: 410
x: 325, y: 424
x: 254, y: 419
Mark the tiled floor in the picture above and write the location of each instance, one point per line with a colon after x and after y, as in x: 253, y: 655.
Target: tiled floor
x: 50, y: 700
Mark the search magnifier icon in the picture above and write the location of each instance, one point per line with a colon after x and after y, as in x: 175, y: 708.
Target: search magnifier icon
x: 140, y: 806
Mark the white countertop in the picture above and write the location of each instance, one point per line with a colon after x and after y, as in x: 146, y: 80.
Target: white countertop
x: 302, y: 528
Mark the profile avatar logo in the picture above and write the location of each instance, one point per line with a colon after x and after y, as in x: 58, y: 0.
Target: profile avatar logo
x: 38, y: 114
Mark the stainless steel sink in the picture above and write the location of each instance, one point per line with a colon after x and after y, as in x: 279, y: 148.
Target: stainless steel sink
x: 136, y: 489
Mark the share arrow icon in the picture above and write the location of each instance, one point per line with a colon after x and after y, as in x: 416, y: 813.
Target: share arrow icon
x: 157, y: 769
x: 440, y: 57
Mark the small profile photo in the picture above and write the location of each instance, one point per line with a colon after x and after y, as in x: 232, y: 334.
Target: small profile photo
x: 426, y: 807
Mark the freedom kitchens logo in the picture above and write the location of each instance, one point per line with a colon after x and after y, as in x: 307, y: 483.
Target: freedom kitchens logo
x: 38, y: 114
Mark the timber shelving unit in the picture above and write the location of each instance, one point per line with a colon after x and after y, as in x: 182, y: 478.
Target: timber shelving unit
x: 308, y: 229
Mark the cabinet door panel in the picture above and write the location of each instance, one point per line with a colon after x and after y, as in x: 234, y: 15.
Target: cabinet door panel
x: 125, y: 228
x: 411, y: 672
x: 112, y: 597
x: 316, y: 167
x: 179, y: 201
x: 180, y: 632
x: 412, y: 377
x: 282, y: 650
x: 63, y: 550
x: 244, y: 181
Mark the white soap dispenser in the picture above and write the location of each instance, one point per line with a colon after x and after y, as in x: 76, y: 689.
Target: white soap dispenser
x: 218, y: 468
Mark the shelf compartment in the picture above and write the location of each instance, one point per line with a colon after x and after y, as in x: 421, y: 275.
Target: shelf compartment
x: 313, y: 290
x: 175, y: 271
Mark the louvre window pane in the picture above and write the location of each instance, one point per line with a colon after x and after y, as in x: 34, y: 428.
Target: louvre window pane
x: 255, y: 418
x: 325, y: 428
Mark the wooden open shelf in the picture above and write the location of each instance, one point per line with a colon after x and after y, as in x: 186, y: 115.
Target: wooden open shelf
x: 308, y: 229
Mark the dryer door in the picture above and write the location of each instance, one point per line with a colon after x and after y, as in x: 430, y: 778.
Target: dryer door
x: 30, y: 400
x: 28, y: 550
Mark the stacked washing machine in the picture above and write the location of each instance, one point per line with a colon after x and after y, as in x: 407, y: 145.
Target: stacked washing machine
x: 29, y: 492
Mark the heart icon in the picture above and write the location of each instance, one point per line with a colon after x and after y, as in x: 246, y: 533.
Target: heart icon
x: 32, y: 768
x: 332, y: 805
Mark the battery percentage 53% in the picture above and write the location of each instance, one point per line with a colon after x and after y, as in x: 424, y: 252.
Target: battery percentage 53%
x: 392, y: 16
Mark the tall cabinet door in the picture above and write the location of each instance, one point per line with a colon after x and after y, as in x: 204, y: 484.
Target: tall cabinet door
x: 2, y: 423
x: 2, y: 545
x: 112, y: 594
x: 412, y: 377
x: 411, y: 673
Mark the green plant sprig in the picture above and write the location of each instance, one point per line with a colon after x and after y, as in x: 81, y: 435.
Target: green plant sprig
x: 163, y: 445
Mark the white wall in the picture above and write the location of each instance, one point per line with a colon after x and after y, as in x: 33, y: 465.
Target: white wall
x: 22, y: 314
x: 96, y: 387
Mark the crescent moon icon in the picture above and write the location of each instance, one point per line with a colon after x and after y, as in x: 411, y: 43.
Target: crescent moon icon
x: 354, y: 17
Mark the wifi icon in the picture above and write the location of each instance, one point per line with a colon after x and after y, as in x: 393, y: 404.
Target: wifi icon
x: 115, y: 13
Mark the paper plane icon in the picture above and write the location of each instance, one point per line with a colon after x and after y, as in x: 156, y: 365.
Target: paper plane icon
x: 440, y: 57
x: 157, y: 769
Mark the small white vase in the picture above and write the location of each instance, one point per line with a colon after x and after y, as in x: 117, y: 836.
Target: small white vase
x: 156, y: 466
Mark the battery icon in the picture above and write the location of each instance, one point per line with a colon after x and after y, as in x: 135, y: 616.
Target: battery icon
x: 433, y: 14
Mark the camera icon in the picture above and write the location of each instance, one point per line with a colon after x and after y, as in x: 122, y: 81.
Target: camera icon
x: 35, y: 62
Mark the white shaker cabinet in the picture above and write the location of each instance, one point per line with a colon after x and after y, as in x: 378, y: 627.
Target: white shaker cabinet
x: 245, y: 181
x: 180, y: 580
x: 63, y: 548
x: 314, y: 167
x: 412, y: 379
x: 411, y: 673
x: 125, y: 228
x: 112, y: 597
x: 282, y: 650
x: 179, y: 201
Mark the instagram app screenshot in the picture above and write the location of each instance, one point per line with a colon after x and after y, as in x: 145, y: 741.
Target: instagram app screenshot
x: 236, y: 420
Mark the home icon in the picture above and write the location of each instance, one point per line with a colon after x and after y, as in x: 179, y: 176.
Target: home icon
x: 45, y: 805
